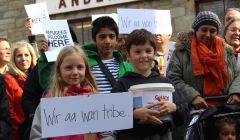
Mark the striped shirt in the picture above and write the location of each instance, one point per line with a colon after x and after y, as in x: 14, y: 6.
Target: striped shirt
x: 103, y: 84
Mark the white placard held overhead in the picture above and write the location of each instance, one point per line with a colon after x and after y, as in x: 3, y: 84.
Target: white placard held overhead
x: 38, y: 13
x: 58, y: 36
x: 113, y: 15
x: 155, y: 21
x: 72, y: 115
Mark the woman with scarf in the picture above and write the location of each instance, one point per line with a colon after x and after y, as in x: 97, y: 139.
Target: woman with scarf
x: 203, y: 65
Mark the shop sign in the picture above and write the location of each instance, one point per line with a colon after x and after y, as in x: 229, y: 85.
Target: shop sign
x: 62, y: 6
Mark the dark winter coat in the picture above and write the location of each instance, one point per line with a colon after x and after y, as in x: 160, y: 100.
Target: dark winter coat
x: 5, y: 120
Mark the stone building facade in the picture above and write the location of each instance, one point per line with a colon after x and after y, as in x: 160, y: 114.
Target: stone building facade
x: 12, y: 15
x: 12, y: 18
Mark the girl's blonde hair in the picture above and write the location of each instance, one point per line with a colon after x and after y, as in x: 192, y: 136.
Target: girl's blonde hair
x: 14, y: 70
x: 57, y: 86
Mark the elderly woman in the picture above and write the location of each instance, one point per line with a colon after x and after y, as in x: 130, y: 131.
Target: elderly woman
x: 5, y: 55
x: 202, y: 65
x: 231, y: 34
x: 23, y: 60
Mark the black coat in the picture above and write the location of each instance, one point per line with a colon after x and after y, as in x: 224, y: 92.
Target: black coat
x: 32, y: 93
x: 5, y: 120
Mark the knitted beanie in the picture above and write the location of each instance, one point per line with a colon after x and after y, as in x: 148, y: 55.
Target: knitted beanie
x: 206, y: 18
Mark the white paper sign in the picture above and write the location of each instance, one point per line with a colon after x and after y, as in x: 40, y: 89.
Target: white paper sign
x: 38, y: 13
x: 58, y: 36
x: 155, y: 21
x: 168, y: 55
x: 113, y: 15
x: 84, y: 114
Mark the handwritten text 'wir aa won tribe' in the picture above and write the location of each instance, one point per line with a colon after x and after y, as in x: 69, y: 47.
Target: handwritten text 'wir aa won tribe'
x: 54, y: 118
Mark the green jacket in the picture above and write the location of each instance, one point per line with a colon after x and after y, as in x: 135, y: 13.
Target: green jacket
x: 92, y: 54
x: 45, y: 68
x: 179, y: 70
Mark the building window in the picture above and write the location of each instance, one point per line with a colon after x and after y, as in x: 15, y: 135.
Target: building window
x: 217, y: 6
x: 82, y: 29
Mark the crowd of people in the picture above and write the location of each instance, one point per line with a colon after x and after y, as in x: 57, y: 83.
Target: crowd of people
x: 203, y: 65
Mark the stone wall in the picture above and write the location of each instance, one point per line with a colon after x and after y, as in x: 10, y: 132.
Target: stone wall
x: 12, y: 18
x: 182, y: 12
x: 12, y: 15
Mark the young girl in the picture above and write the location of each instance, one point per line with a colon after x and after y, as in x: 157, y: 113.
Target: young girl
x: 225, y: 129
x: 71, y: 77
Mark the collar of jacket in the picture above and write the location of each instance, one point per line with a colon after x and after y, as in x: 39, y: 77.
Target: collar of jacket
x: 92, y: 54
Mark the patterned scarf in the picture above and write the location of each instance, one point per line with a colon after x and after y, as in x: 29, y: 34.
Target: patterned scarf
x: 78, y: 90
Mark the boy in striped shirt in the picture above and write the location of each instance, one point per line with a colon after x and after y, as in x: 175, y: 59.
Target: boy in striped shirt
x: 107, y: 64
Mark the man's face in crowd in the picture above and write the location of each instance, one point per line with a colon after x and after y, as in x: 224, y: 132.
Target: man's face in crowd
x: 162, y: 42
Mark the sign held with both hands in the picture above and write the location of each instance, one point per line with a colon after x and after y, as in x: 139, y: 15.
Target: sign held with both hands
x: 61, y: 116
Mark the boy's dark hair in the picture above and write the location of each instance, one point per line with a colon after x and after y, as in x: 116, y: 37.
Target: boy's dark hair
x: 140, y: 37
x: 103, y: 22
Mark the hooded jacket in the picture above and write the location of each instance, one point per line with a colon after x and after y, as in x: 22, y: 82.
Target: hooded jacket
x: 145, y: 130
x: 179, y: 70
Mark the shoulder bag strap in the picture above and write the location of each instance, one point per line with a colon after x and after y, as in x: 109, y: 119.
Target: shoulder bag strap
x: 106, y: 71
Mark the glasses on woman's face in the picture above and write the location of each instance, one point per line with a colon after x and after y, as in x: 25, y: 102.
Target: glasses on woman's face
x: 234, y: 30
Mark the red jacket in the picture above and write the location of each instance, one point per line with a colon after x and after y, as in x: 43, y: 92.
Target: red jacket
x: 14, y: 91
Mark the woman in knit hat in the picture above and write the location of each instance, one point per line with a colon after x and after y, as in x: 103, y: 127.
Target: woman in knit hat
x: 203, y: 65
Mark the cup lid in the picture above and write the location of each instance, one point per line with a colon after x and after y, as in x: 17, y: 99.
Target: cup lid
x: 152, y: 87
